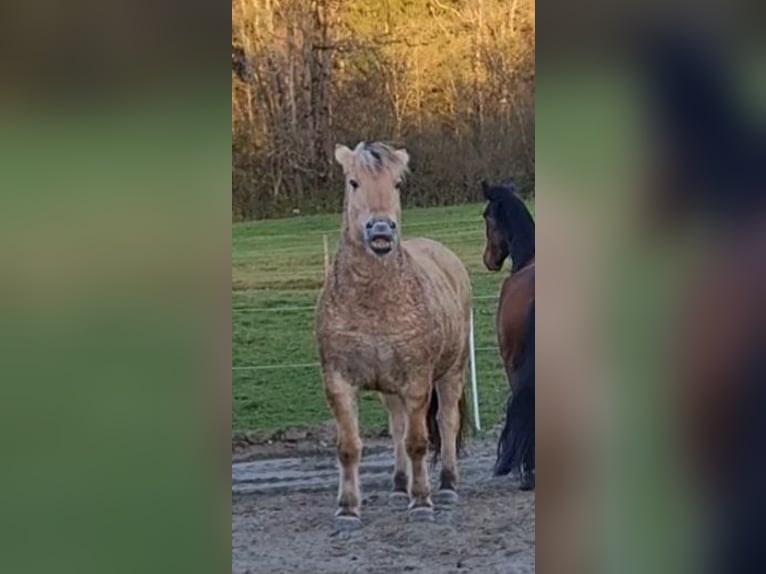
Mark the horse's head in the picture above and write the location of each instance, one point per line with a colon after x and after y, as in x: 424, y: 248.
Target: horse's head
x: 374, y: 173
x: 684, y: 102
x: 707, y: 151
x: 496, y: 248
x: 509, y: 225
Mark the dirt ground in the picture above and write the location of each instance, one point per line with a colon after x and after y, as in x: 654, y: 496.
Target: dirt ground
x: 283, y: 499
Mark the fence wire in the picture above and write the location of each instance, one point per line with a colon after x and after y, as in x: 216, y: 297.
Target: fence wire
x: 280, y: 366
x: 300, y: 308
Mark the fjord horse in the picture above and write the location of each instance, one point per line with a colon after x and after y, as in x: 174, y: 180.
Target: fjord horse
x: 510, y: 232
x: 393, y: 317
x: 712, y: 165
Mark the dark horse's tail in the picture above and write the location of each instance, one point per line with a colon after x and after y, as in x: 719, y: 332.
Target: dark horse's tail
x: 516, y: 447
x: 434, y: 436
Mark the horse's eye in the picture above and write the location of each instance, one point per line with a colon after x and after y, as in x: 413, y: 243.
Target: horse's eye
x: 398, y: 185
x: 353, y: 183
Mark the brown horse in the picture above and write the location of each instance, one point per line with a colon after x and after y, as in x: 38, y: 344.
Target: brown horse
x: 393, y: 317
x: 712, y: 162
x: 510, y: 231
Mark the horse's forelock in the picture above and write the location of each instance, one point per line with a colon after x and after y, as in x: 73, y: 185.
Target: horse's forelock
x: 504, y: 193
x: 377, y: 157
x: 509, y: 185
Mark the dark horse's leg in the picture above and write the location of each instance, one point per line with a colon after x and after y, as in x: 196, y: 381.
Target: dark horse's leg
x: 341, y: 397
x: 416, y: 442
x: 516, y: 447
x: 397, y: 424
x: 528, y: 465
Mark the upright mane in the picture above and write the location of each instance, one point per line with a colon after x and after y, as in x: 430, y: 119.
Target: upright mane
x: 377, y: 157
x: 517, y: 224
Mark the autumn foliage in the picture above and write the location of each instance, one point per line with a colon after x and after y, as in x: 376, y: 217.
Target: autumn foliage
x: 453, y: 81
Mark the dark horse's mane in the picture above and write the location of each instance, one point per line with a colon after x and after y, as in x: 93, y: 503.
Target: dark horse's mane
x: 513, y: 217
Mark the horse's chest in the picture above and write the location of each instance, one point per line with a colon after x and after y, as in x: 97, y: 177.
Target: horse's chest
x: 380, y: 360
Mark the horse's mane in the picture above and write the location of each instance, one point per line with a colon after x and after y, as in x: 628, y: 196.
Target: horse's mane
x: 516, y: 222
x: 377, y: 157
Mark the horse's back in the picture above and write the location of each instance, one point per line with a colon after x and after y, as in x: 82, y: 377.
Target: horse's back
x: 437, y: 261
x: 516, y: 296
x: 517, y: 290
x: 447, y: 292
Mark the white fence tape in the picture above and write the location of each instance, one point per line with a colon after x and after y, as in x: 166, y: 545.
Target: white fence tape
x: 474, y: 388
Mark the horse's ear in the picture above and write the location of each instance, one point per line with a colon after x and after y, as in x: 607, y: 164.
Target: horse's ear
x: 343, y: 155
x: 485, y: 189
x: 403, y: 156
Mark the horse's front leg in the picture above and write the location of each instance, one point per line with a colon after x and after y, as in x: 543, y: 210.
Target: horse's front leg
x: 416, y: 442
x: 397, y: 423
x: 341, y: 398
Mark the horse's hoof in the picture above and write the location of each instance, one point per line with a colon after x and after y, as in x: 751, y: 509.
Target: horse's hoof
x: 421, y: 514
x: 347, y: 523
x: 398, y: 499
x: 527, y: 481
x: 446, y: 497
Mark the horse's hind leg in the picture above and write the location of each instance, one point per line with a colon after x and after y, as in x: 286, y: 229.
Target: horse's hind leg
x: 416, y: 442
x: 449, y: 389
x: 341, y: 397
x: 397, y: 423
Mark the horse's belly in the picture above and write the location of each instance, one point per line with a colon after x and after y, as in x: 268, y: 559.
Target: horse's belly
x: 378, y: 363
x: 452, y: 349
x: 516, y: 295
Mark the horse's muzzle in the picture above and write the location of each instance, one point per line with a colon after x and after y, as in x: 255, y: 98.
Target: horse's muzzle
x: 380, y: 234
x: 491, y: 263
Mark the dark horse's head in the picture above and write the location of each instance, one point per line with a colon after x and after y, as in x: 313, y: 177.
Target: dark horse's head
x: 509, y: 226
x: 709, y: 153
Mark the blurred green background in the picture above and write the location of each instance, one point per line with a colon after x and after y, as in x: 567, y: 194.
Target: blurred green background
x: 114, y: 414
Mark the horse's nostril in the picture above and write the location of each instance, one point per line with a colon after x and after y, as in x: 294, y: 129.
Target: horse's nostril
x: 393, y: 225
x: 369, y: 224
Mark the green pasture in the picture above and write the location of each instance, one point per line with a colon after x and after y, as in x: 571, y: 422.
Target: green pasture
x: 277, y: 271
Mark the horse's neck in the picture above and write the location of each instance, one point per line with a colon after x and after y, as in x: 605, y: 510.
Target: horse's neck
x: 521, y: 248
x: 519, y: 228
x: 354, y: 270
x: 521, y: 253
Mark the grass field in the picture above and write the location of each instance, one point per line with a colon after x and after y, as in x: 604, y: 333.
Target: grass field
x: 277, y: 271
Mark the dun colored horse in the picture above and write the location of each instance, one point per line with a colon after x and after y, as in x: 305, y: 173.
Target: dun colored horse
x: 510, y: 232
x: 393, y: 317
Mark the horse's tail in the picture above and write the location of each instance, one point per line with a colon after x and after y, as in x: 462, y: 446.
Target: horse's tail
x: 434, y: 435
x: 516, y: 447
